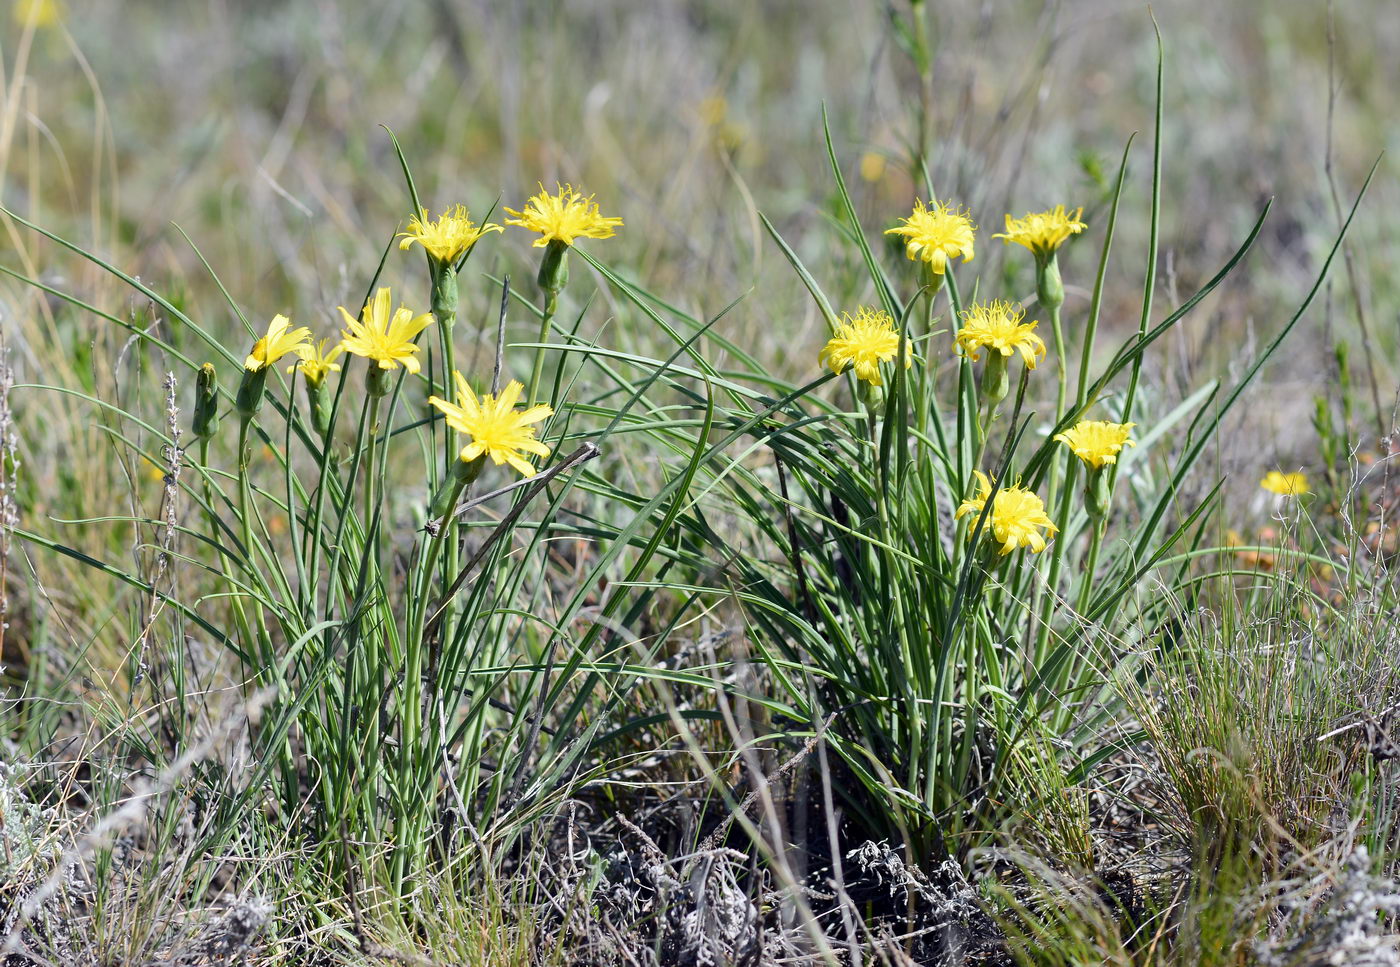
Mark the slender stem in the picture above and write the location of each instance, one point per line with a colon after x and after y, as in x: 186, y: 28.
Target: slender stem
x: 445, y: 309
x: 244, y: 493
x: 270, y: 662
x: 983, y: 427
x: 551, y: 299
x: 370, y: 469
x: 1091, y: 565
x: 413, y: 712
x: 1062, y: 390
x: 446, y: 315
x: 1057, y: 556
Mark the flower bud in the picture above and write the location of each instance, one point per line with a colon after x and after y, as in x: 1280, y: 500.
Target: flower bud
x: 206, y: 402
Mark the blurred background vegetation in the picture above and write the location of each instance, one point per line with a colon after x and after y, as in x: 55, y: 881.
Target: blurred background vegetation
x: 255, y: 127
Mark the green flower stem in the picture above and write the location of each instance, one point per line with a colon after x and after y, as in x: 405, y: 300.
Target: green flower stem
x: 915, y: 737
x: 370, y: 447
x: 1091, y: 564
x: 240, y: 617
x: 551, y: 301
x: 1061, y: 392
x: 984, y: 432
x: 444, y: 306
x: 1057, y: 556
x: 413, y: 712
x: 257, y: 631
x: 444, y: 309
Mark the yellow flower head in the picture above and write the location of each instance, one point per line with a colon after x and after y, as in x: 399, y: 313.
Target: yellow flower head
x: 1017, y: 516
x: 1285, y: 484
x: 865, y: 342
x: 448, y: 237
x: 497, y: 429
x: 935, y: 235
x: 1043, y: 232
x: 997, y: 326
x: 281, y: 339
x: 1097, y: 442
x: 872, y: 166
x: 41, y: 13
x: 316, y: 362
x: 383, y: 337
x: 565, y: 215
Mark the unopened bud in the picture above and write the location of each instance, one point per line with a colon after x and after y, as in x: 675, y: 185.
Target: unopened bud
x: 206, y: 402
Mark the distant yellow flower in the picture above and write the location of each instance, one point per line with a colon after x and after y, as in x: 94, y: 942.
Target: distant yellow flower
x: 935, y: 235
x: 448, y: 237
x: 997, y: 326
x: 872, y: 166
x: 864, y: 342
x: 1043, y: 232
x: 714, y: 109
x: 565, y: 215
x: 1097, y: 442
x: 281, y: 339
x: 1017, y: 518
x: 41, y: 13
x: 316, y: 362
x: 496, y: 428
x: 1285, y: 484
x: 382, y: 337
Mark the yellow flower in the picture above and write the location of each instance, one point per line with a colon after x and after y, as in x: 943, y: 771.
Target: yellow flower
x: 1097, y: 442
x: 385, y: 338
x: 565, y: 215
x: 864, y: 342
x: 1017, y: 516
x: 872, y: 166
x: 316, y: 362
x: 935, y: 235
x: 714, y: 110
x: 1285, y: 484
x: 1043, y: 232
x: 41, y: 13
x: 497, y: 429
x: 281, y: 339
x: 448, y: 237
x: 997, y: 326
